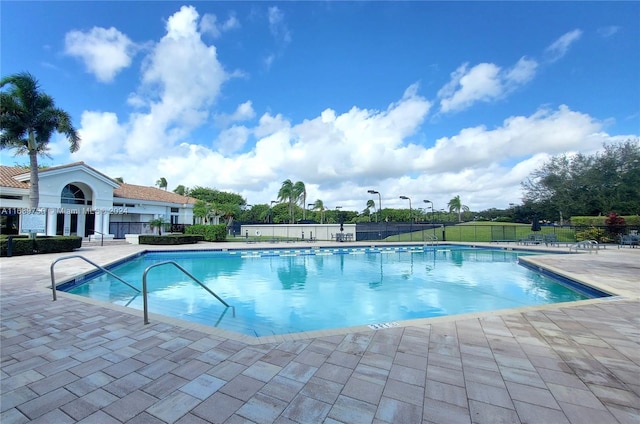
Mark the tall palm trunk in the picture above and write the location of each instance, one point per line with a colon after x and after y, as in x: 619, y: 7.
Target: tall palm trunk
x: 34, y: 185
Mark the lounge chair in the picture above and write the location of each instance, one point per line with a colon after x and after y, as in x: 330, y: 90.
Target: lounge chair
x: 631, y: 240
x: 532, y: 239
x: 551, y: 239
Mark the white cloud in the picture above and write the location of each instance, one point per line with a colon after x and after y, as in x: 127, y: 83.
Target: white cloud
x: 209, y: 24
x: 608, y: 31
x: 105, y: 52
x: 232, y: 139
x: 181, y: 79
x: 102, y: 136
x: 483, y: 83
x: 480, y: 83
x: 560, y: 47
x: 243, y: 112
x: 278, y: 26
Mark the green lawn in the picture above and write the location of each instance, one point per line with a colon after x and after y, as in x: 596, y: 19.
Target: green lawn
x: 475, y: 232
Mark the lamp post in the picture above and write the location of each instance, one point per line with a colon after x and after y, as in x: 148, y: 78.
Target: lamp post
x: 432, y: 216
x: 410, y: 219
x: 310, y: 204
x: 271, y: 211
x: 379, y: 202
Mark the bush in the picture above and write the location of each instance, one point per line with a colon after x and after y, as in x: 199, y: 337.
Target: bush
x: 23, y: 245
x: 171, y: 239
x: 593, y: 233
x: 209, y: 232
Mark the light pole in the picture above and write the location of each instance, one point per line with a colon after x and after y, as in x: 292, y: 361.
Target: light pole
x: 310, y: 204
x: 432, y: 216
x: 410, y: 219
x: 271, y: 211
x: 379, y: 202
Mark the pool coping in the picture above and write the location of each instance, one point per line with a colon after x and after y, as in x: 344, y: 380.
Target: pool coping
x: 252, y: 340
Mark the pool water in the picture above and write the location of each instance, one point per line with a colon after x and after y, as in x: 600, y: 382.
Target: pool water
x: 290, y: 291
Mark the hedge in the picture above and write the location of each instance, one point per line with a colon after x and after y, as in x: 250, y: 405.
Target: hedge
x: 170, y: 239
x: 209, y: 232
x: 23, y: 245
x: 599, y: 221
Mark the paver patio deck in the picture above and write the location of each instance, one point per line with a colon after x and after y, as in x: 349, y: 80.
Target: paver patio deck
x: 77, y: 360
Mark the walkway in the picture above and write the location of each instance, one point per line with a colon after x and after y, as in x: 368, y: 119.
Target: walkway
x: 73, y: 361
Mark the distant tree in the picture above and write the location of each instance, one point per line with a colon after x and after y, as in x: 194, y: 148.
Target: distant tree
x: 212, y: 203
x: 372, y: 204
x: 28, y: 119
x: 119, y: 179
x: 181, y: 190
x: 287, y: 194
x: 569, y: 185
x: 455, y: 205
x: 160, y: 224
x: 318, y: 205
x: 162, y: 183
x: 300, y: 196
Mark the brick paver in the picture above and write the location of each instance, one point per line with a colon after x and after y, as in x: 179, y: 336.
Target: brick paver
x: 73, y: 361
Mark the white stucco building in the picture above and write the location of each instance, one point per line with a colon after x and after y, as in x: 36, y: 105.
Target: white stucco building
x: 76, y: 199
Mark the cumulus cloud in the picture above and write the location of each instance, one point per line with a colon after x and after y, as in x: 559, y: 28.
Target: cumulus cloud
x: 484, y: 82
x: 105, y: 52
x: 181, y: 78
x: 101, y: 136
x: 560, y: 47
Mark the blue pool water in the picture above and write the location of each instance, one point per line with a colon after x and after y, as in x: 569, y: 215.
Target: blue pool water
x: 286, y: 291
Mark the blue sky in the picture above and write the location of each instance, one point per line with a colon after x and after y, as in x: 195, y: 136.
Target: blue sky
x: 424, y: 99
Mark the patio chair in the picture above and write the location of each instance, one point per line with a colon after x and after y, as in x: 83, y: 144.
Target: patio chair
x: 551, y: 239
x: 630, y: 240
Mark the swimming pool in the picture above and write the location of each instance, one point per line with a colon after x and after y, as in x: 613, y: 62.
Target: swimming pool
x: 280, y: 291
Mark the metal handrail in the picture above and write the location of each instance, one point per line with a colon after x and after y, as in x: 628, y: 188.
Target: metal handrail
x: 144, y: 287
x: 585, y: 245
x: 431, y: 238
x: 53, y: 278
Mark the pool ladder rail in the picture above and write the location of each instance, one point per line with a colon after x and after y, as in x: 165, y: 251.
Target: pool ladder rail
x: 431, y: 239
x: 144, y: 282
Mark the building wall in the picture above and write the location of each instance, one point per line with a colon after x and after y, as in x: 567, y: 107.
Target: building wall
x: 317, y: 231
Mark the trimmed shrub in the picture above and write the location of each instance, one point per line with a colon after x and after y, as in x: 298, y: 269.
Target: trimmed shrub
x: 23, y: 245
x: 593, y: 233
x: 209, y: 232
x: 599, y: 221
x: 171, y: 239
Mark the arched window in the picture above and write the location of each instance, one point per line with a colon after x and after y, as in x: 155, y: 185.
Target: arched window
x: 71, y: 194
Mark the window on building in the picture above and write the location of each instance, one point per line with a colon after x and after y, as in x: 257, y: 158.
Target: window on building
x: 71, y: 194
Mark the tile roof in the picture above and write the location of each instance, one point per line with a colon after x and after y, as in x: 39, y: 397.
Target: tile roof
x: 7, y: 174
x: 131, y: 191
x: 128, y: 191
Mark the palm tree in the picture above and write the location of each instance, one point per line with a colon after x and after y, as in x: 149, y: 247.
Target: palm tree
x: 162, y: 183
x: 181, y: 190
x: 372, y: 204
x: 455, y: 205
x: 300, y: 195
x: 287, y: 194
x: 319, y: 206
x: 28, y: 119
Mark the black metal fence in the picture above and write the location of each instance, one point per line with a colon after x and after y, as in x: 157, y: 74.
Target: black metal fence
x: 471, y: 232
